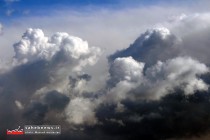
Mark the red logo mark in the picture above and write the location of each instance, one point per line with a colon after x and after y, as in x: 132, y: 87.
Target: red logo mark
x: 15, y: 132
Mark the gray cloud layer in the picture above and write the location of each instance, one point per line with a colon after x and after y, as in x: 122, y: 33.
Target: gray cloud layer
x: 1, y: 28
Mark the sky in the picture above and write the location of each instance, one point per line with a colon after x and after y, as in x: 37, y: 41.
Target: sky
x: 18, y: 8
x: 35, y: 6
x: 106, y: 69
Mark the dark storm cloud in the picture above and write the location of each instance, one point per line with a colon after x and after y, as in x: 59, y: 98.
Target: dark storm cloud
x: 56, y: 100
x: 36, y: 112
x: 174, y: 116
x: 19, y: 84
x: 73, y: 80
x: 85, y: 77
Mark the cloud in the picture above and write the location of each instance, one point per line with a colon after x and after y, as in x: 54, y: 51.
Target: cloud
x: 61, y: 55
x: 80, y: 111
x: 56, y: 100
x: 171, y: 117
x: 35, y: 113
x: 125, y: 74
x: 153, y: 45
x: 52, y: 87
x: 126, y: 68
x: 191, y: 39
x: 155, y: 89
x: 156, y: 48
x: 129, y: 81
x: 160, y: 101
x: 180, y: 72
x: 39, y: 110
x: 183, y: 21
x: 9, y: 12
x: 19, y: 105
x: 39, y: 78
x: 61, y: 47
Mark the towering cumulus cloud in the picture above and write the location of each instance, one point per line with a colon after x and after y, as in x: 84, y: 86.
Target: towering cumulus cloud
x: 60, y: 48
x: 37, y: 85
x: 153, y: 45
x: 162, y: 69
x: 155, y: 89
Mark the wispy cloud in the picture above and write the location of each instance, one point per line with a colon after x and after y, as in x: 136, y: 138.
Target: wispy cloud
x: 1, y: 29
x: 9, y: 12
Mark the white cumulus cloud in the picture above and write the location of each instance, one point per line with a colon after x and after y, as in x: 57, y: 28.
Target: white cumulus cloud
x: 61, y: 47
x: 129, y: 80
x: 126, y: 68
x: 180, y: 72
